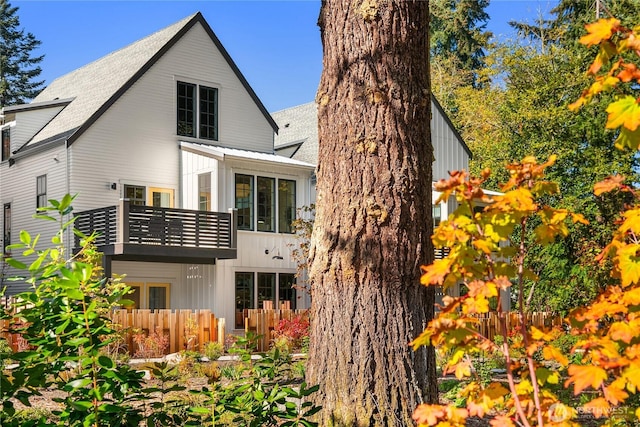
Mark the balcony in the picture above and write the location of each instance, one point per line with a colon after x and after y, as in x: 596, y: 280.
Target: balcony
x: 129, y: 232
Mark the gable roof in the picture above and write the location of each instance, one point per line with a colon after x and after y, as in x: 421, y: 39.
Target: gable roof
x: 98, y: 85
x: 299, y: 125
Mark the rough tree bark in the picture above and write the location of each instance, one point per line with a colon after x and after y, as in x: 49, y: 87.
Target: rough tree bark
x: 373, y: 220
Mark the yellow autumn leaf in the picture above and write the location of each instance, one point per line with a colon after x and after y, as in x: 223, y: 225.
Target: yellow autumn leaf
x: 553, y: 353
x: 585, y: 376
x: 622, y: 331
x: 463, y: 369
x: 624, y: 112
x: 629, y: 264
x: 537, y: 334
x: 600, y: 30
x: 434, y: 274
x: 428, y: 415
x: 628, y: 139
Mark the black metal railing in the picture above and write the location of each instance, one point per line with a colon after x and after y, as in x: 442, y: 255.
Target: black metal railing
x: 147, y: 225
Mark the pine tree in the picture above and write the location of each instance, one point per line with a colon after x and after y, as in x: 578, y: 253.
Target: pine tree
x: 18, y: 68
x: 458, y: 30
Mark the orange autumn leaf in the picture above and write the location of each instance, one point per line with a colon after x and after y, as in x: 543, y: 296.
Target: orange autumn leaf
x: 585, y: 376
x: 615, y: 394
x: 610, y: 183
x: 597, y: 407
x: 553, y: 353
x: 502, y: 421
x: 599, y: 31
x: 624, y: 112
x: 622, y: 331
x: 435, y: 273
x: 428, y: 415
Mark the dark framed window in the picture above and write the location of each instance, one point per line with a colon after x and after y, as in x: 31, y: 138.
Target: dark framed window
x: 208, y: 113
x: 287, y: 290
x: 7, y: 227
x: 244, y: 201
x: 286, y: 205
x: 186, y: 109
x: 197, y: 111
x: 437, y: 215
x: 6, y: 144
x: 266, y: 288
x: 266, y: 204
x: 244, y: 297
x: 41, y: 191
x: 136, y: 194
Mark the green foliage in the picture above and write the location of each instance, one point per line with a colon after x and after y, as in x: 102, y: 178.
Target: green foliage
x: 18, y: 67
x: 70, y: 344
x: 213, y: 350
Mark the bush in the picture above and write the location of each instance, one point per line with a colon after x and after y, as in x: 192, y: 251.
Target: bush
x: 295, y: 331
x: 213, y: 350
x: 153, y: 345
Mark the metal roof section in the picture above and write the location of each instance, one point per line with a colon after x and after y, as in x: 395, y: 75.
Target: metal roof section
x: 36, y: 105
x: 222, y: 153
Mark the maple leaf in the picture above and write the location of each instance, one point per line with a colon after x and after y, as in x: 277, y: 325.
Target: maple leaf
x: 502, y: 421
x: 597, y: 407
x: 614, y: 392
x: 622, y: 331
x: 553, y: 353
x: 428, y: 415
x: 463, y: 369
x: 629, y: 263
x: 610, y: 183
x: 600, y: 30
x: 624, y: 112
x: 629, y: 72
x: 628, y: 139
x: 435, y: 273
x: 585, y: 376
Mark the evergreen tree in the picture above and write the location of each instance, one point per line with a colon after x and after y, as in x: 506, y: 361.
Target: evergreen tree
x: 18, y: 68
x: 458, y: 30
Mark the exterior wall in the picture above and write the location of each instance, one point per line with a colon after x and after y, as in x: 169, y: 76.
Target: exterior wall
x: 19, y: 189
x: 135, y: 141
x: 449, y: 153
x: 28, y: 123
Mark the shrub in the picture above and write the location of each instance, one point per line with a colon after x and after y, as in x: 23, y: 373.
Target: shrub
x: 295, y: 330
x: 152, y: 345
x: 213, y: 350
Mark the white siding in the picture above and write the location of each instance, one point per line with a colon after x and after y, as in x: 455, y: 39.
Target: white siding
x: 28, y: 123
x: 19, y: 189
x: 135, y: 141
x: 449, y: 153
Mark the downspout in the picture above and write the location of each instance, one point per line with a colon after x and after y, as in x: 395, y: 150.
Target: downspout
x: 68, y: 187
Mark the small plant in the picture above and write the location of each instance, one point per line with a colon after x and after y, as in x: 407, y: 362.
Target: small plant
x: 191, y: 334
x: 213, y: 350
x: 294, y: 330
x: 153, y: 345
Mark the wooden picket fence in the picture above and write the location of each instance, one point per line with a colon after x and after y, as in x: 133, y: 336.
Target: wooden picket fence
x: 263, y: 322
x: 183, y: 329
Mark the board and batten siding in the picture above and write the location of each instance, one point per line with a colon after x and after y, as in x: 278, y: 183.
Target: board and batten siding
x: 194, y: 165
x: 19, y: 189
x: 449, y: 152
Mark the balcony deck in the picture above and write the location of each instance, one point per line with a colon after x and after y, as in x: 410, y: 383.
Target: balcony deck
x: 144, y: 233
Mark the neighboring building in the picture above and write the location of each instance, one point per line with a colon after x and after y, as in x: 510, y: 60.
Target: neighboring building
x: 298, y: 139
x: 171, y: 154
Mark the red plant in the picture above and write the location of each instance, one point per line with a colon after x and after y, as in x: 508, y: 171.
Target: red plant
x: 294, y: 329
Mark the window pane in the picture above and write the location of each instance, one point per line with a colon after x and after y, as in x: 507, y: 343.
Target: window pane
x: 266, y: 288
x: 266, y: 204
x: 208, y: 113
x: 244, y: 296
x: 287, y: 290
x: 6, y: 144
x: 7, y: 226
x: 157, y: 297
x: 204, y: 192
x: 437, y: 214
x: 41, y: 191
x: 186, y: 109
x: 135, y: 194
x: 286, y: 205
x: 244, y: 201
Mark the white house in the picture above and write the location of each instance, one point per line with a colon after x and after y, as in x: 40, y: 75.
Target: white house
x: 298, y: 139
x: 171, y: 155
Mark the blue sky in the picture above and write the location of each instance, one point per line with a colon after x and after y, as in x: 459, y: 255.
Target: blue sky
x: 276, y: 44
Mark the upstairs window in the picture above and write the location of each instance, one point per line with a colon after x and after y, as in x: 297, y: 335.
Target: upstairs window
x: 272, y: 208
x: 41, y: 191
x: 6, y: 144
x: 197, y: 111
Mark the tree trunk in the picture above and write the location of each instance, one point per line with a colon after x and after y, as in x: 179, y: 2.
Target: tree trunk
x: 373, y: 221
